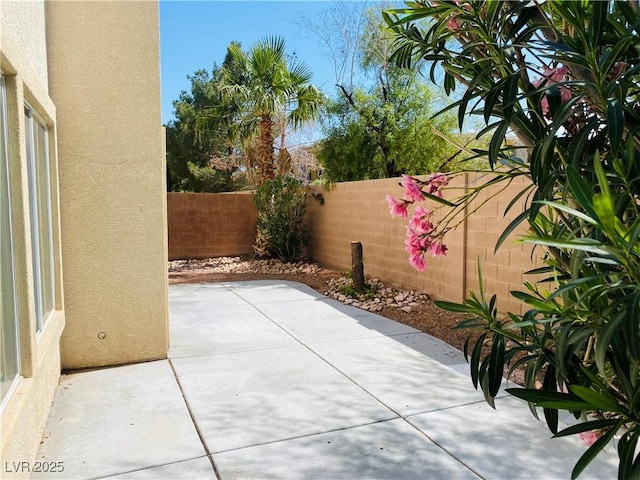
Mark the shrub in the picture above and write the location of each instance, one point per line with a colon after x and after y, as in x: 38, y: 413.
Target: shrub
x: 281, y: 205
x: 563, y: 78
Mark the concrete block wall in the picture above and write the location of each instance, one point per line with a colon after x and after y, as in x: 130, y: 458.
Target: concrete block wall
x: 358, y: 211
x: 207, y: 225
x: 203, y: 225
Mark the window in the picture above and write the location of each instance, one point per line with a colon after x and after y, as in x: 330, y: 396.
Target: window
x: 41, y: 215
x: 9, y: 353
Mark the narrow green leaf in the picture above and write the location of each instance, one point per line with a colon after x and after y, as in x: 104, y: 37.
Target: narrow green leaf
x: 598, y: 21
x: 476, y: 360
x: 452, y: 307
x: 495, y: 144
x: 510, y: 228
x: 586, y: 427
x: 496, y: 365
x: 626, y: 453
x: 541, y: 398
x: 582, y: 191
x: 549, y: 384
x: 509, y: 96
x: 615, y: 123
x: 591, y: 453
x: 607, y: 332
x: 597, y: 400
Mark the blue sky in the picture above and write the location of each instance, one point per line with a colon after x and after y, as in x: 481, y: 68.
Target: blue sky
x: 195, y: 35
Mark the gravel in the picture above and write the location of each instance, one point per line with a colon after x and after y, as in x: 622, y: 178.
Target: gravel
x: 375, y: 299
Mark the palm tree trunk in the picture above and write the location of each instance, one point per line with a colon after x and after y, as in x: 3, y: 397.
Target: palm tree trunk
x: 266, y: 168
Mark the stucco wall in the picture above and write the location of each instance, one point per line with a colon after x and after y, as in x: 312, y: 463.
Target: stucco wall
x: 23, y: 61
x: 104, y: 76
x: 203, y: 225
x: 24, y: 22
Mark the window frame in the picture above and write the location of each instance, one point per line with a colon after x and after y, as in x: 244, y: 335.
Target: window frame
x: 4, y: 166
x: 31, y: 120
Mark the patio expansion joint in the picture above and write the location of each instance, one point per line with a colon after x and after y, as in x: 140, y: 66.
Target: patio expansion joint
x: 465, y: 465
x: 195, y: 424
x: 307, y: 347
x: 308, y: 435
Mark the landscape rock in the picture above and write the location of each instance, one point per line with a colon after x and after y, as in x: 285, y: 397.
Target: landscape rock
x: 378, y: 297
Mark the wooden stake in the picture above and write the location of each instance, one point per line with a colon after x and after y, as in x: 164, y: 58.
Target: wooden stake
x: 357, y: 267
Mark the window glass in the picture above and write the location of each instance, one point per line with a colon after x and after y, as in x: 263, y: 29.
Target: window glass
x: 41, y: 215
x: 9, y: 355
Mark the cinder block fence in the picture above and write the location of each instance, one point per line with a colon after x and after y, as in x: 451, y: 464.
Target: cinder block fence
x: 203, y: 225
x: 206, y: 224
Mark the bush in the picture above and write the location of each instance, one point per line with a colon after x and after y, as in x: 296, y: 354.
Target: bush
x: 563, y: 77
x: 281, y: 205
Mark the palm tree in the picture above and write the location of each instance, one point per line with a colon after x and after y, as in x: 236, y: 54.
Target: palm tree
x: 265, y: 84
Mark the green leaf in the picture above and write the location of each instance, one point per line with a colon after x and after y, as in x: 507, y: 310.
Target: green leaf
x: 510, y: 228
x: 452, y: 307
x: 615, y: 123
x: 597, y: 400
x: 549, y: 383
x: 476, y: 360
x: 586, y: 427
x: 598, y: 21
x: 626, y: 453
x: 584, y: 244
x: 496, y: 365
x: 496, y: 142
x: 582, y: 191
x: 591, y: 453
x: 542, y: 398
x: 571, y: 211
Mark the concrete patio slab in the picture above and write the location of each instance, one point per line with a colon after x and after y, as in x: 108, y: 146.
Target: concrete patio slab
x: 390, y: 450
x: 509, y: 442
x: 324, y: 320
x: 227, y: 329
x: 196, y: 469
x: 117, y: 420
x: 249, y: 398
x: 399, y: 371
x: 202, y: 296
x: 273, y: 381
x: 267, y: 291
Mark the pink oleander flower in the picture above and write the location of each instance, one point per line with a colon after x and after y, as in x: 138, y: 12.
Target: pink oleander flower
x: 453, y: 25
x: 438, y: 249
x: 420, y: 224
x: 397, y: 207
x: 412, y: 192
x: 549, y: 77
x: 418, y: 262
x: 590, y: 437
x: 436, y: 182
x: 618, y: 69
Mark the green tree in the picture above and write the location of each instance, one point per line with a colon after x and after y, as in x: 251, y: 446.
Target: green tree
x: 385, y: 129
x: 263, y: 85
x: 192, y: 151
x: 564, y: 78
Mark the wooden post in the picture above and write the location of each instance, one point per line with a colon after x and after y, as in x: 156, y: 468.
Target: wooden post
x: 357, y: 267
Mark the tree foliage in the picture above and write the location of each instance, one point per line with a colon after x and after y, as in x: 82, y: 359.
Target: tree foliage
x: 381, y: 128
x: 562, y: 77
x: 188, y: 155
x: 259, y: 88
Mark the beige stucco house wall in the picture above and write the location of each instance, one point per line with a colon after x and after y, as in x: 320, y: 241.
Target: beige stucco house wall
x: 87, y: 74
x: 104, y: 77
